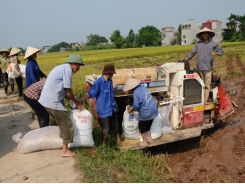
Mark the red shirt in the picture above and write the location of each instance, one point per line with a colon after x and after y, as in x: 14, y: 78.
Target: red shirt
x: 34, y: 91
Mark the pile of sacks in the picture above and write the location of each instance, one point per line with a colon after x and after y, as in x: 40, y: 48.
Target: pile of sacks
x: 47, y: 138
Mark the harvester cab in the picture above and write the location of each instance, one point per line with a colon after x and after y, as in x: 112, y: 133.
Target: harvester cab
x: 170, y: 84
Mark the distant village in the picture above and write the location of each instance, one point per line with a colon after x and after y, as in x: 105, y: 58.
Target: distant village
x: 189, y: 29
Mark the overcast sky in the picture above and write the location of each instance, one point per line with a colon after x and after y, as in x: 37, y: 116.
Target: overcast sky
x: 38, y: 23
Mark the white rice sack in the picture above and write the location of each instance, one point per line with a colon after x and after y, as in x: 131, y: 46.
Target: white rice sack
x: 23, y: 70
x: 130, y: 127
x: 156, y: 128
x: 12, y: 72
x: 46, y: 138
x: 83, y: 128
x: 167, y: 129
x: 164, y: 112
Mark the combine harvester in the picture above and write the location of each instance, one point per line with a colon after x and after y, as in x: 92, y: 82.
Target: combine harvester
x: 170, y: 84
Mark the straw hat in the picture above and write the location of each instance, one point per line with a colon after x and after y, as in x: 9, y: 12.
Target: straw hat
x: 109, y: 68
x: 205, y: 29
x: 4, y: 50
x: 75, y: 58
x: 14, y: 51
x: 131, y: 84
x: 30, y: 51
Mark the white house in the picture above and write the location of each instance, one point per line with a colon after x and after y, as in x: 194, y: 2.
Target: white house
x: 189, y: 29
x: 216, y: 27
x: 167, y: 35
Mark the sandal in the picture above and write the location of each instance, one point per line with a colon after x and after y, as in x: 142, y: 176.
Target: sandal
x: 150, y: 142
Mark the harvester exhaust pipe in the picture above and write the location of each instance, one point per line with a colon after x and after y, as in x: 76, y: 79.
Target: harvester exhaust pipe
x: 226, y: 107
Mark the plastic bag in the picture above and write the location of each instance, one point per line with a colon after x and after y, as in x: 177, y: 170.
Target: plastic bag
x: 17, y: 137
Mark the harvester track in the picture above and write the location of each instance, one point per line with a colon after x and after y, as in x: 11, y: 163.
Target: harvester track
x: 229, y: 66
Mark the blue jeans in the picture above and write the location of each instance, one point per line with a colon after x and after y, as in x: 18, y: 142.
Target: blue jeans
x: 42, y: 114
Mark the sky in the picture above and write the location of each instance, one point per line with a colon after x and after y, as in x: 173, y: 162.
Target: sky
x: 39, y: 23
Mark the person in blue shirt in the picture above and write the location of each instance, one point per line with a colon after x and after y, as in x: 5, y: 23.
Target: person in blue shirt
x: 33, y: 72
x: 106, y: 107
x: 145, y: 104
x: 58, y: 86
x: 206, y: 49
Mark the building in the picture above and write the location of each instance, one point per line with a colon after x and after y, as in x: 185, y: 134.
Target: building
x: 216, y: 27
x: 75, y: 44
x: 189, y: 29
x: 45, y: 49
x: 167, y: 35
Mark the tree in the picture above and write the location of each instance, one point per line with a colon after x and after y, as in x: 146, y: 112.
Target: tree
x: 56, y: 48
x: 235, y: 28
x: 117, y: 39
x: 94, y: 39
x: 129, y: 40
x: 179, y: 35
x: 149, y: 36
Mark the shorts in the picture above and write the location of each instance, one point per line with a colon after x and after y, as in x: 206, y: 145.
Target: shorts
x: 65, y: 124
x: 145, y: 126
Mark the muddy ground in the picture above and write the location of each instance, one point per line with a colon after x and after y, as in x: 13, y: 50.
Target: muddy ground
x: 220, y: 156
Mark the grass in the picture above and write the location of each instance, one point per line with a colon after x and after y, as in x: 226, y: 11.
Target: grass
x: 107, y: 163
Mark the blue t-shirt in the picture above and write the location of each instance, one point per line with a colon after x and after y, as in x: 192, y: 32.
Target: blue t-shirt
x: 103, y: 91
x: 33, y: 72
x: 144, y: 103
x: 54, y: 91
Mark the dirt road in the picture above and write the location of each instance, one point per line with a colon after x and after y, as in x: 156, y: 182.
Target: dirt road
x: 39, y: 167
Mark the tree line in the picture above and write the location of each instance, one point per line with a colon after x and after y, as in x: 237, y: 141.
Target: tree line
x: 150, y: 36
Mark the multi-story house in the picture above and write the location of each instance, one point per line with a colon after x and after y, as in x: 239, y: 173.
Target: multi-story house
x: 189, y: 29
x: 216, y: 27
x: 167, y: 35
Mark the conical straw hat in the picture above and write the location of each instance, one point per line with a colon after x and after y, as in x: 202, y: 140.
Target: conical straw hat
x: 30, y: 51
x: 4, y: 50
x: 131, y: 83
x: 14, y: 51
x: 205, y: 29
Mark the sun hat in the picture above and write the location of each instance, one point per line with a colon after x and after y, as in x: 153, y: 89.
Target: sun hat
x: 4, y: 50
x: 14, y: 51
x: 131, y: 83
x: 205, y: 29
x: 109, y: 68
x: 75, y: 58
x: 30, y: 51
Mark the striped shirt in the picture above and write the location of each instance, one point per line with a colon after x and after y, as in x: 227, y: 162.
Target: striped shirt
x: 34, y: 91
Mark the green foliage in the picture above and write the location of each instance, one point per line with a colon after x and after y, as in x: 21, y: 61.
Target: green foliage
x: 179, y: 35
x: 149, y: 36
x: 108, y: 165
x: 129, y: 40
x: 231, y: 34
x: 95, y: 39
x: 117, y: 39
x: 56, y: 48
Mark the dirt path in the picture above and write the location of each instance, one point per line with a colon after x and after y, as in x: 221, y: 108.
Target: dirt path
x: 221, y: 155
x: 39, y: 167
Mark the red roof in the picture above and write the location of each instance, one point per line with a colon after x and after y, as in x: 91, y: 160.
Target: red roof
x: 212, y: 20
x: 168, y: 27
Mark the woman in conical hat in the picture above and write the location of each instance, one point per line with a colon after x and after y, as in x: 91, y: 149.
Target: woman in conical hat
x: 4, y: 61
x: 14, y: 59
x: 145, y: 104
x: 33, y: 72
